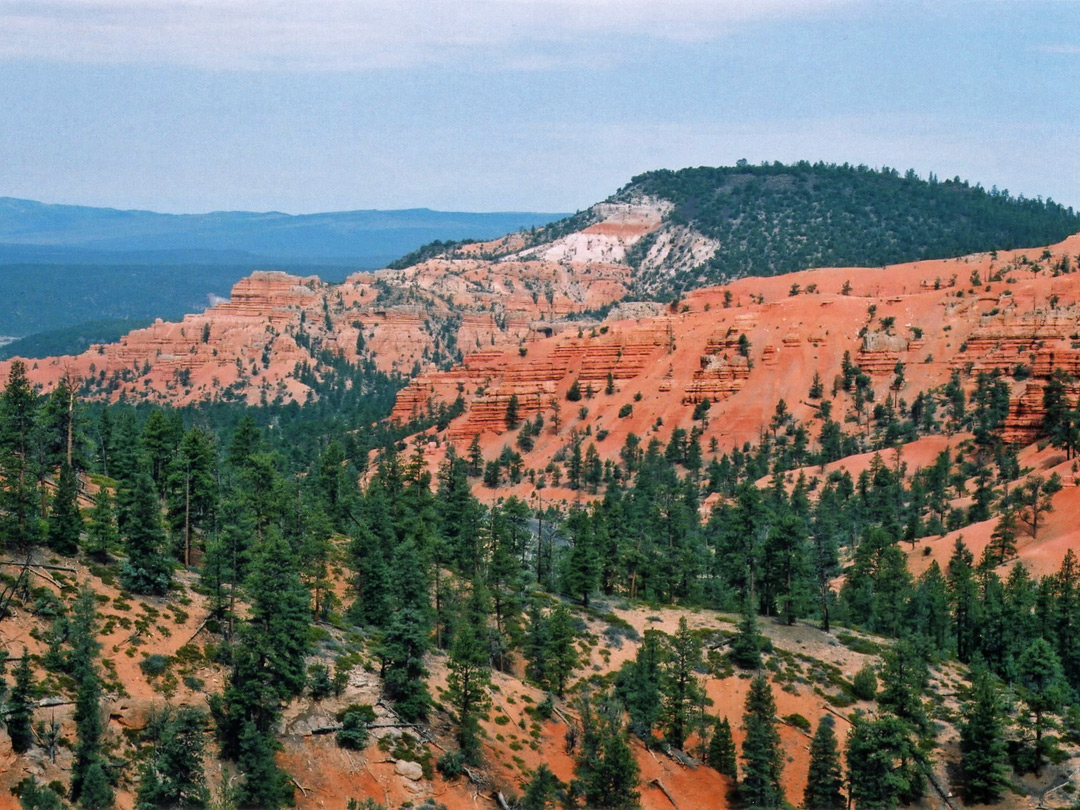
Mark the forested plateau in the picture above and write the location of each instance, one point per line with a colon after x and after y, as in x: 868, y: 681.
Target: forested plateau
x: 481, y: 531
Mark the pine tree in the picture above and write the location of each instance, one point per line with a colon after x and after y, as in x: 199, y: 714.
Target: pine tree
x: 407, y: 638
x: 638, y: 686
x: 277, y: 629
x: 513, y: 412
x: 101, y: 535
x: 96, y: 792
x: 721, y: 754
x: 469, y: 678
x: 761, y: 753
x: 89, y: 785
x: 607, y: 773
x: 542, y: 791
x: 20, y: 708
x: 964, y: 598
x: 875, y: 781
x: 1036, y: 498
x: 192, y: 490
x: 746, y: 646
x: 173, y: 777
x: 825, y: 779
x: 35, y: 796
x: 1002, y: 545
x: 147, y: 569
x: 581, y: 567
x: 984, y: 754
x: 680, y: 688
x: 786, y: 567
x: 562, y: 654
x: 268, y: 670
x: 18, y: 411
x: 904, y: 679
x: 265, y: 785
x: 65, y: 522
x: 1042, y: 688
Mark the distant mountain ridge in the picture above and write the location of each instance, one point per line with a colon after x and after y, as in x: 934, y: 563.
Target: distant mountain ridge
x: 365, y: 238
x: 64, y: 268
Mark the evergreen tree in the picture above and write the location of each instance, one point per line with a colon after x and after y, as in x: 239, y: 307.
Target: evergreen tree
x: 983, y: 745
x: 96, y: 792
x: 192, y: 490
x: 161, y: 435
x: 963, y: 595
x: 89, y: 785
x: 173, y: 777
x: 607, y: 773
x: 1036, y: 497
x: 746, y: 645
x: 1042, y: 688
x: 276, y: 633
x: 513, y: 412
x: 20, y: 507
x: 581, y: 567
x: 638, y: 686
x: 904, y: 679
x: 468, y: 680
x: 18, y: 411
x: 147, y: 569
x: 101, y: 535
x: 1060, y: 421
x: 785, y: 566
x: 265, y: 786
x: 65, y: 521
x: 407, y: 638
x: 1002, y: 545
x: 762, y: 756
x: 268, y: 669
x: 562, y: 655
x: 542, y: 791
x: 680, y: 688
x: 60, y: 430
x: 35, y: 796
x: 825, y: 780
x: 875, y: 781
x: 721, y: 753
x: 20, y: 708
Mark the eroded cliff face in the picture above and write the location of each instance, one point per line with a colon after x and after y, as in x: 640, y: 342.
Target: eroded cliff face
x: 420, y: 318
x: 757, y: 341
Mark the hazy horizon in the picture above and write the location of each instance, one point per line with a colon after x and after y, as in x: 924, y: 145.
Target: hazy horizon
x: 181, y: 106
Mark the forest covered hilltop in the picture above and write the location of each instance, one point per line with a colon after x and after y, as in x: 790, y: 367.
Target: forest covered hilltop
x: 538, y: 522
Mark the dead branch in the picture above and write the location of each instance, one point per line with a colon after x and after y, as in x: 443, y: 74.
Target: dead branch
x: 41, y: 565
x: 198, y: 630
x: 665, y: 791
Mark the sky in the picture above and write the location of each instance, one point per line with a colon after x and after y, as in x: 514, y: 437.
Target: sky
x: 189, y: 106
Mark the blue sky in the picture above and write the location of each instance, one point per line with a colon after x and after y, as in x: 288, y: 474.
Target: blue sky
x: 550, y: 105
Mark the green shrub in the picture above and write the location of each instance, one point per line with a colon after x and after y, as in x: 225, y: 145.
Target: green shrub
x: 864, y: 684
x: 154, y: 664
x: 451, y: 764
x: 798, y: 721
x: 355, y: 728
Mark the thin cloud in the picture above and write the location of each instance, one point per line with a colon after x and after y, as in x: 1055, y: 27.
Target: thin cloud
x: 357, y: 34
x: 1068, y: 50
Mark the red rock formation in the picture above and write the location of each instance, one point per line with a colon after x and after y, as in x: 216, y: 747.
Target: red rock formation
x: 416, y: 318
x: 664, y: 365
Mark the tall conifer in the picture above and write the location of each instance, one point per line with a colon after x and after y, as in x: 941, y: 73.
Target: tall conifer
x: 761, y: 754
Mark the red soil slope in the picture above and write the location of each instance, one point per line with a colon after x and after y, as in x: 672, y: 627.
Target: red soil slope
x: 975, y: 313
